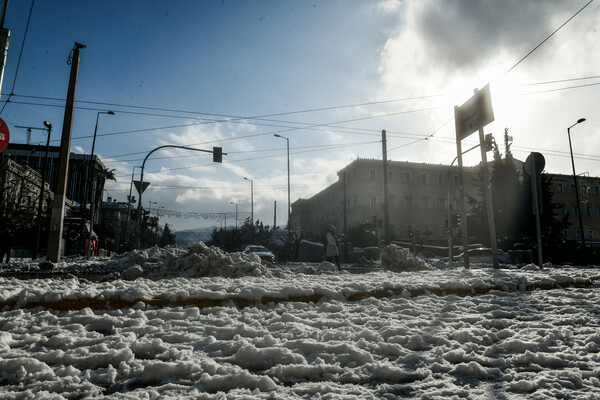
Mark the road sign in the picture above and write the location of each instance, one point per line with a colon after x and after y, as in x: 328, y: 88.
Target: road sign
x: 475, y: 113
x: 137, y: 186
x: 4, y: 135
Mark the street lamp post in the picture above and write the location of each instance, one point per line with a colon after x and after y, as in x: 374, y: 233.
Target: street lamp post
x: 91, y: 177
x: 580, y: 120
x: 48, y: 125
x: 236, y: 212
x: 251, y: 199
x: 289, y: 222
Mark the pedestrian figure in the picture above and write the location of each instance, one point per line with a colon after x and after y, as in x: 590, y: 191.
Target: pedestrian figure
x: 5, y: 244
x: 332, y: 253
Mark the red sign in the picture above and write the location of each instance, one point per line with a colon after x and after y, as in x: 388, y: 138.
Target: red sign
x: 4, y: 136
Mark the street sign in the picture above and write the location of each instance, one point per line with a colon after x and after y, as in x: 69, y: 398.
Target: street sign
x: 137, y: 186
x: 4, y: 135
x: 475, y: 113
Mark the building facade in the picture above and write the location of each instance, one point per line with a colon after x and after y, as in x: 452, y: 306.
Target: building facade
x: 563, y: 187
x: 33, y: 156
x: 423, y: 196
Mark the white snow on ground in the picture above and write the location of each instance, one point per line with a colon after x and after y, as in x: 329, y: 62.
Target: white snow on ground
x: 205, y: 324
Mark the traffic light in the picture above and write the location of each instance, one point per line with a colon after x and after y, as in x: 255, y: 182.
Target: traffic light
x: 145, y: 215
x: 488, y: 142
x: 134, y: 214
x: 217, y: 154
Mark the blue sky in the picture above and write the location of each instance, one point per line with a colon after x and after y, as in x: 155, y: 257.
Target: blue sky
x: 328, y: 75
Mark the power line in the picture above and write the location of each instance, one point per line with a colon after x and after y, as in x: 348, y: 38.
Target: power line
x: 546, y: 39
x: 20, y: 56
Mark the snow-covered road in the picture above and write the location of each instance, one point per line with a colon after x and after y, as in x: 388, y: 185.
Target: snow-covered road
x: 438, y: 334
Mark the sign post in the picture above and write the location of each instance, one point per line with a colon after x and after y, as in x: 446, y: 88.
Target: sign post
x: 534, y: 165
x: 470, y: 117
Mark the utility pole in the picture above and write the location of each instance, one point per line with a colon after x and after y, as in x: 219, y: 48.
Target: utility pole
x: 386, y: 206
x: 58, y: 205
x: 4, y: 40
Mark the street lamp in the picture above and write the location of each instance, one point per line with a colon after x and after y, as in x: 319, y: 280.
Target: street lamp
x: 251, y: 199
x: 48, y: 125
x: 288, y: 174
x: 89, y: 178
x: 236, y: 212
x: 580, y: 120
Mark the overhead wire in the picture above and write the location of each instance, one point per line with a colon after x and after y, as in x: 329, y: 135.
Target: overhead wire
x: 17, y: 69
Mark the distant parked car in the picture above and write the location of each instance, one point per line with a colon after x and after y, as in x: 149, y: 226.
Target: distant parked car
x: 484, y: 255
x: 261, y: 251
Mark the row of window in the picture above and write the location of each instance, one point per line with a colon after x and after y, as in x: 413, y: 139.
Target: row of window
x: 425, y: 203
x: 586, y: 189
x: 590, y: 234
x: 422, y: 177
x: 575, y: 211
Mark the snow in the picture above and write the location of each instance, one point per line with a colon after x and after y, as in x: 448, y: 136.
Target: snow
x: 204, y: 324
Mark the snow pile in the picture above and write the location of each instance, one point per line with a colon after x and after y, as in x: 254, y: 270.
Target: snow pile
x: 396, y: 259
x: 201, y: 260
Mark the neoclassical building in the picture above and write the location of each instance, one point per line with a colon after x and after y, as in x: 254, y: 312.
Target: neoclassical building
x: 422, y: 196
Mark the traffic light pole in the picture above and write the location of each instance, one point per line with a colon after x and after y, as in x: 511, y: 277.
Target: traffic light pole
x: 217, y: 153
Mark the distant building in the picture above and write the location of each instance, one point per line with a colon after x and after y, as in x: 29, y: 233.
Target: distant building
x: 33, y: 156
x: 422, y: 196
x: 113, y: 224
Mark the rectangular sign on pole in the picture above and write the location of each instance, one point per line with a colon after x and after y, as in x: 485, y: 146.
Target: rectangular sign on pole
x: 475, y: 113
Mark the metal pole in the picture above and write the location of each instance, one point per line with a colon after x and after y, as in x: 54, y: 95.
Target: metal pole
x: 251, y: 199
x: 461, y: 187
x: 386, y: 206
x: 42, y: 190
x: 575, y: 182
x: 289, y: 222
x: 142, y: 177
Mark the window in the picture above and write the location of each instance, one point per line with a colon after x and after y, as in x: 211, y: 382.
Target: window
x: 560, y: 187
x: 598, y: 210
x: 392, y: 229
x: 408, y: 202
x: 563, y: 210
x: 372, y: 174
x: 423, y: 178
x: 373, y: 201
x: 456, y: 180
x: 441, y: 204
x: 575, y: 211
x: 578, y: 234
x: 565, y: 233
x: 441, y: 179
x: 572, y: 188
x: 597, y: 189
x: 390, y: 176
x: 588, y: 211
x: 407, y: 177
x: 591, y: 234
x: 425, y: 202
x: 392, y: 201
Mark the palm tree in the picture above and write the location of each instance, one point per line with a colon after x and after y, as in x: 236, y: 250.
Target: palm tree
x: 101, y: 175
